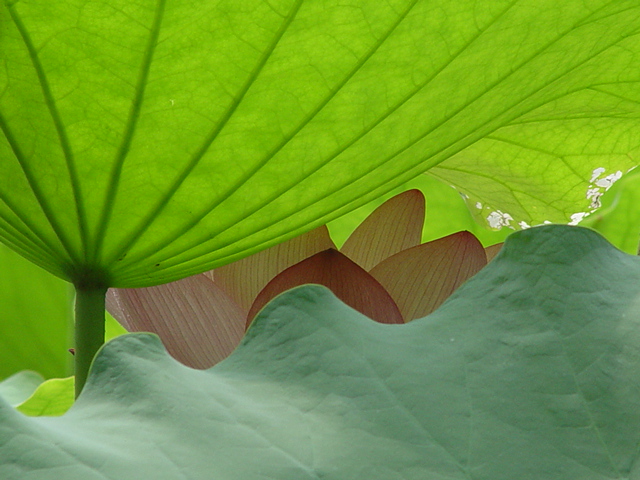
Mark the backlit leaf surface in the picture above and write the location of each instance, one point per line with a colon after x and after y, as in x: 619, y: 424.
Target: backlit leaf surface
x: 529, y: 371
x: 34, y: 318
x: 52, y: 398
x: 619, y: 218
x: 145, y: 141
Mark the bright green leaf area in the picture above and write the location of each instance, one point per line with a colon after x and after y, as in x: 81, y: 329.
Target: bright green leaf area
x: 34, y: 319
x: 529, y: 371
x: 112, y: 328
x: 619, y: 218
x: 52, y: 398
x: 145, y: 141
x: 32, y: 395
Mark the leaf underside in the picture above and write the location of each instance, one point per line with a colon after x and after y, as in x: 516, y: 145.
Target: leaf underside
x: 145, y: 141
x: 528, y: 371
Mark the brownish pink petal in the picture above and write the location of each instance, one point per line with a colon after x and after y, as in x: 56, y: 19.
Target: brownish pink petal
x: 492, y: 251
x: 421, y: 278
x: 243, y: 280
x: 392, y: 227
x: 349, y: 282
x: 198, y: 323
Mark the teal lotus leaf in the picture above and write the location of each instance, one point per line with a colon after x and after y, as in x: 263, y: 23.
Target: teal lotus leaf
x: 20, y: 386
x: 529, y: 371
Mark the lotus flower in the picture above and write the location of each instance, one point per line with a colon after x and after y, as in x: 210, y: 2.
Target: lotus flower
x: 382, y: 271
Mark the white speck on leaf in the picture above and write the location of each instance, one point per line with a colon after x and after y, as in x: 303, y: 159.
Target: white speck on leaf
x: 578, y: 217
x: 594, y: 192
x: 478, y: 205
x: 609, y: 180
x: 499, y: 219
x: 594, y: 195
x: 596, y: 173
x: 524, y: 225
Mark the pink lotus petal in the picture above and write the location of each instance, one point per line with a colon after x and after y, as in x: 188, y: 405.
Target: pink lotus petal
x: 349, y: 282
x: 197, y: 322
x: 243, y: 280
x: 392, y: 227
x: 492, y: 251
x: 421, y: 278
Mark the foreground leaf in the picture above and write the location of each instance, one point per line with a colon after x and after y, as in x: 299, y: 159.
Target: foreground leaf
x: 528, y: 372
x: 19, y: 386
x: 146, y: 141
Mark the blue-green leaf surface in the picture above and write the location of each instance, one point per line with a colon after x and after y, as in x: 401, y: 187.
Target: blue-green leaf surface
x: 19, y: 386
x: 144, y: 141
x: 529, y: 371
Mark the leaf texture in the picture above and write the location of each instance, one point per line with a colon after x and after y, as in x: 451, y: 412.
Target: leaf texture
x: 143, y: 142
x: 528, y: 371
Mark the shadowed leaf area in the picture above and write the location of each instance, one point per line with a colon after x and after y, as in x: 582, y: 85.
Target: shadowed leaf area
x: 529, y: 371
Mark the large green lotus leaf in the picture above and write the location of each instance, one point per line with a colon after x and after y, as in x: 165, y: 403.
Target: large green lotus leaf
x: 529, y: 371
x: 35, y: 313
x: 144, y: 141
